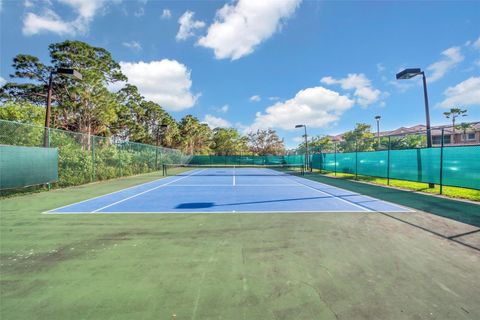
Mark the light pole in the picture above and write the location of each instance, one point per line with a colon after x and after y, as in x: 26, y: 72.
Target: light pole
x: 378, y: 129
x: 307, y: 157
x: 69, y: 73
x: 408, y: 74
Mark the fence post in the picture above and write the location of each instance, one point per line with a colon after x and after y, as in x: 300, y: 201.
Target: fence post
x: 356, y: 159
x: 49, y: 185
x: 335, y: 158
x: 120, y: 158
x: 441, y: 164
x: 93, y: 177
x: 388, y: 162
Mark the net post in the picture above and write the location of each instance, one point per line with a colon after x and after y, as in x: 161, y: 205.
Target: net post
x: 441, y: 163
x: 388, y: 162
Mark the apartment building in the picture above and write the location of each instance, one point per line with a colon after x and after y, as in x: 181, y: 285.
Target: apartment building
x: 452, y: 136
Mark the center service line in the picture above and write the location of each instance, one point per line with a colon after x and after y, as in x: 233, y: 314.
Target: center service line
x: 233, y: 176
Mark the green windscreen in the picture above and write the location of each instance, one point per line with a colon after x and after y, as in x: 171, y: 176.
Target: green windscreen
x: 27, y: 166
x: 458, y: 166
x: 421, y: 165
x: 247, y: 160
x: 461, y: 166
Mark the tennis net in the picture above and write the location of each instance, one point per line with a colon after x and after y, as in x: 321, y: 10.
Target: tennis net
x: 229, y: 170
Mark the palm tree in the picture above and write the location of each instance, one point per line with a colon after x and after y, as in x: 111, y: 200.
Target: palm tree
x: 453, y: 114
x: 464, y: 127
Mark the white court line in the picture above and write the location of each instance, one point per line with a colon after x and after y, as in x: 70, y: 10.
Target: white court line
x: 331, y: 195
x: 363, y: 195
x: 217, y: 212
x: 236, y: 185
x: 233, y: 176
x: 107, y: 194
x: 338, y: 198
x: 138, y: 194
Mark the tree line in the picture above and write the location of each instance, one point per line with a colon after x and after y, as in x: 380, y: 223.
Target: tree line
x: 362, y: 139
x: 90, y: 108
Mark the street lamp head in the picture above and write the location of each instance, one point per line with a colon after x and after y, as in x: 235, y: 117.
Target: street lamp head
x: 69, y: 73
x: 408, y: 73
x: 299, y: 126
x: 378, y: 118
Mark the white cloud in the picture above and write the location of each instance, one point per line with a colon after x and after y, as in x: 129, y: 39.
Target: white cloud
x: 28, y: 4
x: 380, y: 67
x: 466, y: 93
x: 216, y: 122
x: 364, y: 93
x: 166, y: 14
x: 2, y: 81
x: 476, y: 44
x: 85, y: 8
x: 166, y: 82
x: 255, y: 98
x: 239, y: 28
x: 188, y: 25
x: 134, y: 45
x: 50, y: 21
x: 298, y: 139
x: 317, y: 107
x: 452, y: 57
x: 224, y: 109
x: 273, y: 98
x: 401, y: 86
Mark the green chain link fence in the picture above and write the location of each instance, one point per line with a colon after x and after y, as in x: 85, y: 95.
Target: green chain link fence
x: 457, y: 166
x: 86, y: 158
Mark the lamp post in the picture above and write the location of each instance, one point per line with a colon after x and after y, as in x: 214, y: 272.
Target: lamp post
x: 69, y: 73
x: 408, y: 74
x: 307, y: 157
x: 378, y: 129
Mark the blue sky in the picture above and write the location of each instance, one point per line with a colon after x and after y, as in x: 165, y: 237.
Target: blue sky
x: 258, y: 64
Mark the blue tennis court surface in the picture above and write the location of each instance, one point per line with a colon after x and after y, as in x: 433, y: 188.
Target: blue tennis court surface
x: 231, y: 190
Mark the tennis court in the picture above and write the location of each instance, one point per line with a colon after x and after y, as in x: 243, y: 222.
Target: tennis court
x: 232, y: 189
x: 327, y: 265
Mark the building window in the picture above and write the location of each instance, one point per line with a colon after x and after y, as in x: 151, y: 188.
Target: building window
x: 438, y: 139
x: 470, y: 136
